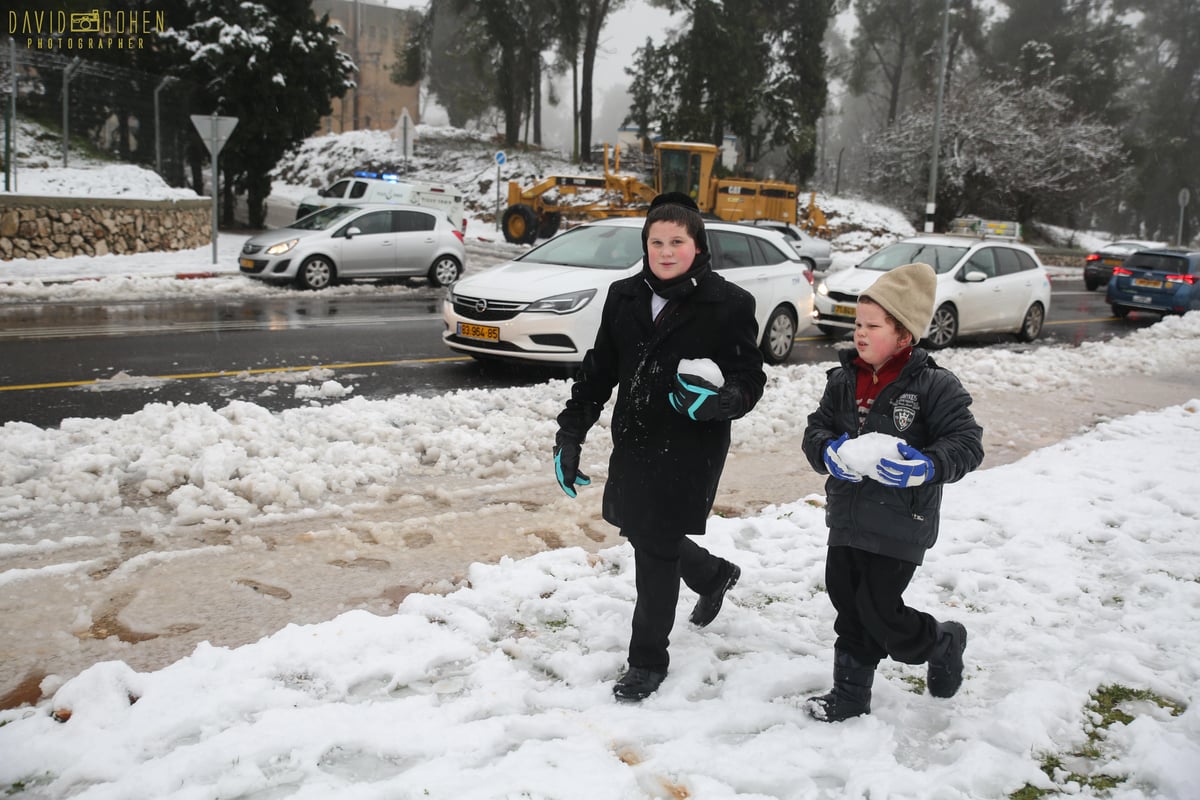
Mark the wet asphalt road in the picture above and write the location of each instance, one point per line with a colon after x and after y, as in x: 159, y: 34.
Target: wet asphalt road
x: 60, y: 360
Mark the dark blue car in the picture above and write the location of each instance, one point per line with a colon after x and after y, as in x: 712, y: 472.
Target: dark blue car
x: 1164, y: 281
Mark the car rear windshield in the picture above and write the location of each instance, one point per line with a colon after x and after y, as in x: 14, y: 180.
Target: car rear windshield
x: 1174, y: 265
x: 591, y: 247
x: 942, y: 257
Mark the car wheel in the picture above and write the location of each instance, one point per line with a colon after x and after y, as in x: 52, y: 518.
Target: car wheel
x: 1120, y: 310
x: 550, y: 222
x: 943, y: 329
x: 1090, y: 284
x: 445, y: 271
x: 519, y: 224
x: 779, y: 337
x: 1031, y: 327
x: 317, y: 272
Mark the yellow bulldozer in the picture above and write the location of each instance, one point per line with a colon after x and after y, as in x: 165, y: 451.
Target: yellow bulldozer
x: 539, y: 210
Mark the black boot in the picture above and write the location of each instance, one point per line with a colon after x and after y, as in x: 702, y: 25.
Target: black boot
x: 709, y: 605
x: 638, y: 683
x: 945, y: 672
x: 851, y: 693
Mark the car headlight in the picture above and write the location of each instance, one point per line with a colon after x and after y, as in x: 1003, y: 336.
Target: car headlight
x: 822, y: 289
x: 563, y: 303
x: 282, y: 247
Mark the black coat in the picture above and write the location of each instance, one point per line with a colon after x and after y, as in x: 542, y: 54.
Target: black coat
x: 664, y: 470
x: 926, y: 406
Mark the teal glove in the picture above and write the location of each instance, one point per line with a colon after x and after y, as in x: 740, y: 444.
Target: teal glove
x: 566, y: 465
x: 695, y: 398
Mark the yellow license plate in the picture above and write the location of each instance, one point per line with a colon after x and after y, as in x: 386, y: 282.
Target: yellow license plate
x: 1149, y: 284
x: 246, y: 263
x: 1112, y: 262
x: 844, y: 311
x: 488, y: 333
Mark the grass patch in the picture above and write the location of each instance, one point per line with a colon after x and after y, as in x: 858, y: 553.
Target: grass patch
x: 1104, y: 709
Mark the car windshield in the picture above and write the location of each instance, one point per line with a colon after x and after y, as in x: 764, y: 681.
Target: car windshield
x: 1158, y: 263
x: 325, y: 218
x: 591, y: 247
x: 942, y: 257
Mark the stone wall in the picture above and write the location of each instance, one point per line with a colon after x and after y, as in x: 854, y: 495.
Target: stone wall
x: 62, y: 227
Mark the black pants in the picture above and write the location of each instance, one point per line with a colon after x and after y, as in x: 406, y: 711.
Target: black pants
x: 872, y: 619
x: 659, y: 564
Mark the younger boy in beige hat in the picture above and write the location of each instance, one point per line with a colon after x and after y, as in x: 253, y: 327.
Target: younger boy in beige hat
x: 881, y: 523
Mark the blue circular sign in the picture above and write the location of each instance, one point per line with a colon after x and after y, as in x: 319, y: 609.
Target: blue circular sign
x: 500, y: 158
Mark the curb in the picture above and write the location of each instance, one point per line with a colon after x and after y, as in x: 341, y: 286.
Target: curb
x: 179, y: 276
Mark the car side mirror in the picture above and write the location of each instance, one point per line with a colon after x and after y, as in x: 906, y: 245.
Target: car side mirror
x: 322, y: 192
x: 974, y: 276
x: 354, y: 230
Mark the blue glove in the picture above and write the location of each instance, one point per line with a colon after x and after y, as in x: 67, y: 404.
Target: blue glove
x: 833, y: 462
x: 695, y: 398
x: 566, y: 463
x: 912, y: 470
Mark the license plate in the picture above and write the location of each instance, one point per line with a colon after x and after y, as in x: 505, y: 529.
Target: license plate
x: 246, y: 263
x: 488, y: 333
x: 1112, y: 262
x: 844, y: 311
x: 1147, y: 283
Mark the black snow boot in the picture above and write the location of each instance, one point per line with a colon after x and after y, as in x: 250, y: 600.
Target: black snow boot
x: 851, y: 693
x: 709, y: 605
x: 945, y: 672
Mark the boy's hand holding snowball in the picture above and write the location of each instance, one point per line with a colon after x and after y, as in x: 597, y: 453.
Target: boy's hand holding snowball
x: 886, y: 459
x: 700, y: 392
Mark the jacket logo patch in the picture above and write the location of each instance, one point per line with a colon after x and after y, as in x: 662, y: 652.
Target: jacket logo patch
x: 905, y: 410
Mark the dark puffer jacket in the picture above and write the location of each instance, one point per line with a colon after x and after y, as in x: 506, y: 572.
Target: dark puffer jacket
x: 926, y: 406
x: 664, y: 470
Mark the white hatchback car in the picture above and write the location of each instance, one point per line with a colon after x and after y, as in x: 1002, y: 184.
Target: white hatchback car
x: 544, y: 306
x: 983, y: 286
x: 358, y: 240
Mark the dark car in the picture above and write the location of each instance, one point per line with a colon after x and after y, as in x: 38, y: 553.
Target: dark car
x: 1163, y: 281
x: 1098, y: 266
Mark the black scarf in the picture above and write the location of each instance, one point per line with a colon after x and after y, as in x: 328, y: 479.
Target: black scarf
x: 680, y: 286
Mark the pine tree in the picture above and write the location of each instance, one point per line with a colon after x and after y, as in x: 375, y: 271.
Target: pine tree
x: 274, y: 66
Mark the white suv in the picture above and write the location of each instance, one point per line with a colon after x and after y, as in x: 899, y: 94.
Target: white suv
x: 545, y: 305
x: 983, y: 286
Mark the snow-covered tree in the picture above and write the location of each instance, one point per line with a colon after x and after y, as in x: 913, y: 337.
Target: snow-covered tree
x: 274, y: 66
x: 1006, y: 151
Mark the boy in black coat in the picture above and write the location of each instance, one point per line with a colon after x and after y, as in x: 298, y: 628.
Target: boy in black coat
x: 881, y: 523
x: 670, y: 431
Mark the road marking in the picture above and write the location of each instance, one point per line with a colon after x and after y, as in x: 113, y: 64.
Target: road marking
x: 233, y: 373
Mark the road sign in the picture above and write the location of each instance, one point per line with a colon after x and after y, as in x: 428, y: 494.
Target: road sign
x: 1184, y: 197
x: 500, y: 158
x: 214, y: 130
x: 405, y: 133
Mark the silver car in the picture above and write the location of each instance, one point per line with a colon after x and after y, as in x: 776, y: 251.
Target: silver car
x: 361, y: 240
x: 816, y: 252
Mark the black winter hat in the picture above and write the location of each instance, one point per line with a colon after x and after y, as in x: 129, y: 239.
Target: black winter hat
x: 677, y: 207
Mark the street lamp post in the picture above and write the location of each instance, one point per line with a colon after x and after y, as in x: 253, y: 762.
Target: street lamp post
x: 931, y: 196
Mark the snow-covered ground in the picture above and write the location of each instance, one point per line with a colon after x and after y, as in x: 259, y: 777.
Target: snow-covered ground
x: 1075, y: 569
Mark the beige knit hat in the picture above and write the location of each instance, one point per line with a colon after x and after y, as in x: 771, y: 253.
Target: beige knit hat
x: 907, y: 294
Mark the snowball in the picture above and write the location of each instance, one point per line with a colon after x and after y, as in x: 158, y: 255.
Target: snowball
x: 862, y: 454
x: 704, y: 368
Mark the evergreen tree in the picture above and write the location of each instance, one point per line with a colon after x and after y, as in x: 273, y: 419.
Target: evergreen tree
x: 754, y: 69
x: 272, y: 65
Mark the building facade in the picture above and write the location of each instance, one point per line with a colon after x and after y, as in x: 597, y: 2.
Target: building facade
x: 375, y: 33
